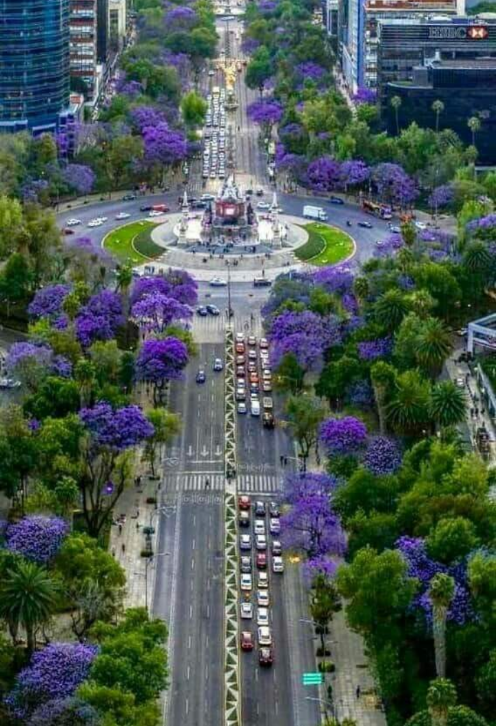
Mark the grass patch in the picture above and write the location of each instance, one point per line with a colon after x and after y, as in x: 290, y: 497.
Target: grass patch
x: 132, y: 242
x: 325, y: 245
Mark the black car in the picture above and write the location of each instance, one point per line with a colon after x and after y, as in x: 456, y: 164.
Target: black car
x: 367, y: 225
x: 213, y: 309
x: 201, y: 377
x: 244, y: 519
x: 336, y: 200
x: 146, y: 208
x: 202, y: 310
x: 198, y: 205
x: 259, y: 509
x: 128, y: 197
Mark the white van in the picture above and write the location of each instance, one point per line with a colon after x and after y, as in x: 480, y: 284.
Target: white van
x: 255, y: 408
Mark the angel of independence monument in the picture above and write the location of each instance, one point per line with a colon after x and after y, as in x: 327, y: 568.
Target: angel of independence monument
x: 230, y: 220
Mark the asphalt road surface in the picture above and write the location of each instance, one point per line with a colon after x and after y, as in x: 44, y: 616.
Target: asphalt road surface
x: 189, y: 585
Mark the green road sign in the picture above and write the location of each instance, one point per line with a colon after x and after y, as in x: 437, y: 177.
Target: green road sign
x: 312, y: 679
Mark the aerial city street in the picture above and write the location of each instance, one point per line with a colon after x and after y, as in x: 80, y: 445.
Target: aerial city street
x: 247, y: 367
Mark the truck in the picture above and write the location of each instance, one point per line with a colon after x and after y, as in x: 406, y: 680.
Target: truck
x: 160, y: 208
x: 311, y: 212
x: 267, y: 403
x: 377, y: 209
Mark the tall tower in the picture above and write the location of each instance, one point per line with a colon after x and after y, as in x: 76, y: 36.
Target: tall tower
x: 34, y: 63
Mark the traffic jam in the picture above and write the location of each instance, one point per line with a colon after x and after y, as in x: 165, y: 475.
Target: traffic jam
x: 260, y: 558
x: 254, y: 379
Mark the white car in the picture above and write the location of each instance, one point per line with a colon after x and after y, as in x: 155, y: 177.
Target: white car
x: 246, y: 583
x: 421, y: 226
x: 103, y: 219
x: 217, y: 282
x: 240, y: 338
x: 245, y: 542
x: 95, y: 223
x: 261, y: 542
x: 263, y: 598
x: 264, y: 636
x: 275, y: 526
x: 263, y: 581
x: 277, y: 564
x: 242, y: 407
x: 259, y: 526
x: 262, y: 616
x: 263, y: 206
x: 246, y: 610
x: 122, y: 215
x: 155, y: 213
x: 73, y: 222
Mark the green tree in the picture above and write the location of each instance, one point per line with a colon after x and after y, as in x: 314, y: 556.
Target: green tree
x: 166, y: 425
x: 16, y: 280
x: 18, y: 452
x: 438, y: 108
x: 474, y: 125
x: 395, y: 104
x: 55, y: 397
x: 259, y: 69
x: 441, y: 591
x: 448, y: 404
x: 441, y: 696
x: 452, y: 539
x: 324, y: 602
x: 93, y: 582
x: 383, y: 377
x: 434, y: 344
x: 336, y: 377
x: 407, y: 410
x: 193, y: 109
x: 28, y: 598
x: 391, y: 308
x: 289, y: 375
x: 304, y: 415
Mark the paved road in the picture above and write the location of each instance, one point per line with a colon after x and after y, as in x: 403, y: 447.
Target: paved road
x: 189, y: 585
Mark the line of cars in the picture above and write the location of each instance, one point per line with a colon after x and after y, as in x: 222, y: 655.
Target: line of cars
x: 254, y: 378
x: 214, y: 151
x: 261, y: 596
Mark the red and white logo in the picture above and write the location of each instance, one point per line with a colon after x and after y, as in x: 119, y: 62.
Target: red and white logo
x: 477, y: 32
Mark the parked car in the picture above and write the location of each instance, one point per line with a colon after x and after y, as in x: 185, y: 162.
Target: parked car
x: 246, y: 611
x: 266, y: 656
x: 246, y: 640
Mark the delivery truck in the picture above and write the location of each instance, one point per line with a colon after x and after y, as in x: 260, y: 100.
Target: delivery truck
x: 311, y: 212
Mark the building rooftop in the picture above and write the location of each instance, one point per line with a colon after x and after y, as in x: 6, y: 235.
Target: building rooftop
x: 434, y: 21
x: 414, y: 5
x: 469, y: 63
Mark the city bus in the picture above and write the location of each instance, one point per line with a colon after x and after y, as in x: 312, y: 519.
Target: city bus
x: 378, y: 210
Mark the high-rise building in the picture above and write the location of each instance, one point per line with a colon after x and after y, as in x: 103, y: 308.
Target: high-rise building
x: 103, y: 31
x: 358, y: 22
x: 34, y: 64
x: 467, y: 89
x: 118, y: 23
x: 83, y: 33
x: 405, y: 44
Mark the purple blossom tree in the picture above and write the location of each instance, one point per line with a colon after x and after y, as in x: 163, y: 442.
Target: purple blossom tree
x: 70, y: 711
x: 311, y: 526
x: 266, y: 113
x: 156, y: 311
x: 61, y: 366
x: 389, y: 246
x: 343, y: 436
x: 298, y: 485
x: 323, y: 174
x: 306, y: 335
x: 335, y: 278
x: 54, y: 673
x: 310, y: 71
x: 105, y: 472
x: 370, y: 350
x: 320, y: 565
x: 441, y: 196
x: 353, y: 173
x: 249, y: 45
x: 146, y: 116
x: 180, y: 18
x: 361, y: 394
x: 100, y: 318
x: 383, y: 456
x: 79, y: 177
x: 393, y: 184
x: 47, y: 302
x: 160, y: 361
x: 29, y: 363
x: 422, y: 567
x: 365, y: 95
x: 37, y: 538
x: 163, y: 146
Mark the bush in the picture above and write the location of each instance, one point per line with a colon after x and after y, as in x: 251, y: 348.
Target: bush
x: 321, y: 652
x: 327, y: 667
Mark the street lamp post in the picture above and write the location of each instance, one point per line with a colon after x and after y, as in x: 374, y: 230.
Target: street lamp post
x: 325, y: 702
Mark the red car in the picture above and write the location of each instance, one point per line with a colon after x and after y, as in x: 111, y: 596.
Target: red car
x: 262, y: 561
x: 246, y: 640
x: 244, y: 502
x: 240, y: 347
x: 266, y: 656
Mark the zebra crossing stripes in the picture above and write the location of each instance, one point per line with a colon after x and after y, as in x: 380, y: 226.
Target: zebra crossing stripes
x: 258, y: 484
x: 194, y: 483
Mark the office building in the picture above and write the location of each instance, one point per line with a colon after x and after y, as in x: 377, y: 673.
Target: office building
x: 117, y: 24
x: 465, y: 86
x: 331, y: 16
x: 83, y: 33
x: 103, y: 31
x: 359, y: 20
x: 406, y: 44
x: 34, y: 64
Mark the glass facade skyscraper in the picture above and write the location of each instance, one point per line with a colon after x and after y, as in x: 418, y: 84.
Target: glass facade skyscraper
x: 34, y: 63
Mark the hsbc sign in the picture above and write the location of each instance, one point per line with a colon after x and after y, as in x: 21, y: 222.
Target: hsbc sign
x: 447, y: 32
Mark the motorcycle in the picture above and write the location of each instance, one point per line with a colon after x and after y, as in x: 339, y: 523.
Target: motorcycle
x: 348, y: 223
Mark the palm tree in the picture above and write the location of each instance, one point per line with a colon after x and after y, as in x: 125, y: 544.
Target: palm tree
x: 441, y: 696
x: 28, y: 597
x: 438, y: 108
x: 448, y: 404
x: 84, y: 374
x: 441, y: 591
x: 409, y: 234
x: 382, y: 377
x: 474, y: 125
x: 433, y: 346
x: 396, y: 103
x: 361, y: 288
x: 421, y: 303
x: 124, y: 278
x: 408, y: 409
x: 391, y: 308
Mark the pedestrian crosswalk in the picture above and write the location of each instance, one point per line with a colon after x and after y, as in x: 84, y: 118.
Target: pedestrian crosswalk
x: 258, y: 484
x: 197, y: 482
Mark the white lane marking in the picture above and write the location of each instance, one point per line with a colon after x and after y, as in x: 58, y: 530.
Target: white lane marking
x: 190, y: 611
x: 193, y: 546
x: 188, y: 673
x: 193, y: 563
x: 187, y: 706
x: 189, y: 641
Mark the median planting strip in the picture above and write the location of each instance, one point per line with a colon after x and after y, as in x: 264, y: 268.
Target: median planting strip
x: 326, y: 245
x: 232, y: 698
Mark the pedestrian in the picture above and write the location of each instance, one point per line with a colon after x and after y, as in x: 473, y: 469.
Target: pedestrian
x: 358, y: 691
x: 476, y: 411
x: 483, y: 410
x: 113, y: 551
x: 137, y: 525
x: 285, y: 461
x: 123, y: 547
x: 138, y: 480
x: 120, y: 528
x: 281, y: 460
x: 472, y: 413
